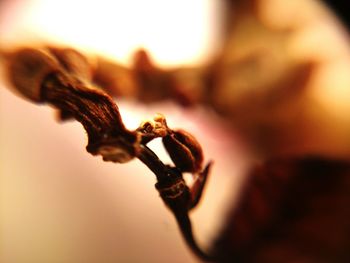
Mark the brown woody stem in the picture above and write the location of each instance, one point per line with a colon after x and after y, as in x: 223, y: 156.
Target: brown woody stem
x: 93, y: 108
x: 151, y: 160
x: 101, y: 119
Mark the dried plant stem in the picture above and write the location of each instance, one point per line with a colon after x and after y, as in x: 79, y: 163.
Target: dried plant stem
x: 93, y: 108
x: 61, y: 79
x: 102, y: 121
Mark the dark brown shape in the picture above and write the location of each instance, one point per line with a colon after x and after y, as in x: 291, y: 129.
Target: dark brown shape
x: 59, y: 78
x: 291, y: 210
x: 184, y: 150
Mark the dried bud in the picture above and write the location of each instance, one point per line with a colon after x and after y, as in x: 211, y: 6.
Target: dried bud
x: 157, y: 127
x: 27, y: 69
x: 116, y: 79
x: 73, y: 62
x: 184, y: 150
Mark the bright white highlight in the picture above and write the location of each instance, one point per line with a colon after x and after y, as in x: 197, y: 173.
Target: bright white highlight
x: 175, y: 32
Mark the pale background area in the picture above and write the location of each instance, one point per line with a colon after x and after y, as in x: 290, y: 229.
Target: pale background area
x: 58, y: 204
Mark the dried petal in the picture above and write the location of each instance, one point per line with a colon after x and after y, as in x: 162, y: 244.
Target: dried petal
x: 27, y: 69
x: 73, y: 62
x: 184, y: 150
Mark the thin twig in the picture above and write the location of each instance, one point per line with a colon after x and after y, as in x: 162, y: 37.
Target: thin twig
x: 56, y: 77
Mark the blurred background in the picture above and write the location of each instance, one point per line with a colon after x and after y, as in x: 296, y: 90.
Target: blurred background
x: 281, y: 83
x: 59, y: 203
